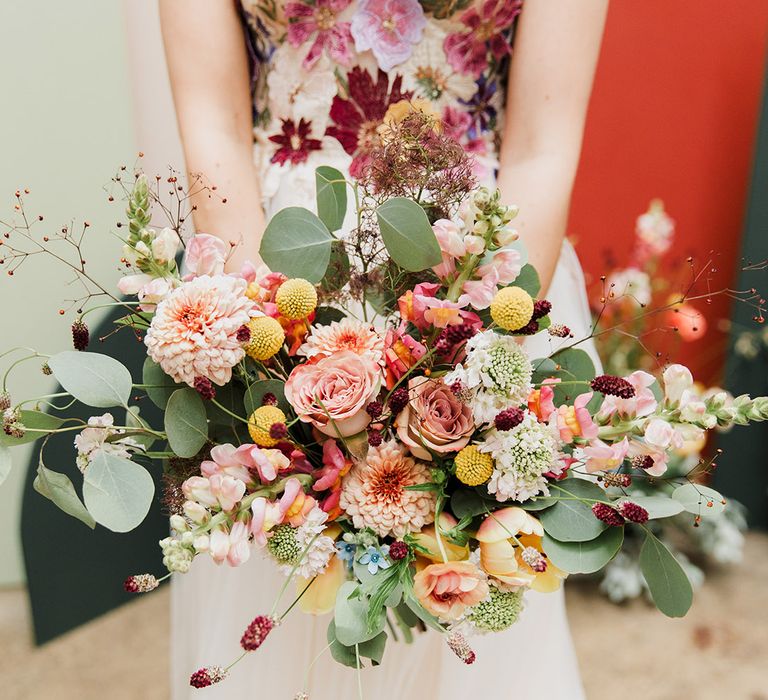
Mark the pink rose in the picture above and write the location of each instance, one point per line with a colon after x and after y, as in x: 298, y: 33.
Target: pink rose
x: 434, y: 419
x: 447, y: 590
x: 333, y: 392
x: 206, y: 255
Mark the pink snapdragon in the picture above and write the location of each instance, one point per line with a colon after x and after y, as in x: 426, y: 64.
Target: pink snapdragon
x: 541, y: 401
x: 600, y: 456
x: 217, y: 490
x: 678, y: 381
x: 401, y: 352
x: 643, y: 403
x: 232, y: 545
x: 575, y: 421
x: 206, y: 255
x: 452, y: 246
x: 507, y: 262
x: 480, y: 293
x: 224, y: 460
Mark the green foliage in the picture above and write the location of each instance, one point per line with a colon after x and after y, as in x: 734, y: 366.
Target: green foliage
x: 406, y: 233
x: 160, y: 385
x: 584, y: 557
x: 331, y: 196
x: 325, y: 315
x: 667, y: 582
x: 134, y: 420
x: 529, y: 280
x: 117, y: 492
x: 93, y: 379
x: 255, y: 393
x: 33, y: 421
x: 186, y: 423
x: 698, y: 499
x: 372, y: 649
x: 467, y: 503
x: 572, y: 365
x: 351, y: 617
x: 5, y: 463
x: 571, y: 519
x: 57, y: 487
x: 297, y: 243
x: 337, y: 274
x: 539, y: 503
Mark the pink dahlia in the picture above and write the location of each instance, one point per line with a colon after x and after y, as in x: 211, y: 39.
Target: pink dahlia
x: 389, y: 28
x: 374, y: 493
x: 194, y: 330
x: 321, y: 20
x: 467, y: 51
x: 347, y: 334
x: 357, y: 117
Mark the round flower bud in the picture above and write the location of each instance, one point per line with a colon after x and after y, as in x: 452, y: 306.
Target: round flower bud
x: 472, y: 466
x: 512, y: 308
x: 261, y: 422
x: 267, y: 337
x: 296, y: 299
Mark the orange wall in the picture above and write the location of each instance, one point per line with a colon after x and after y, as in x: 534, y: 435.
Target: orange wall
x: 673, y: 115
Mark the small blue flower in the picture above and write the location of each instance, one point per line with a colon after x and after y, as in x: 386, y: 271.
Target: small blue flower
x: 376, y: 559
x: 346, y: 552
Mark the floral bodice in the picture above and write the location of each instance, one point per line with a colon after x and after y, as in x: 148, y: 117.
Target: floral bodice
x: 328, y: 73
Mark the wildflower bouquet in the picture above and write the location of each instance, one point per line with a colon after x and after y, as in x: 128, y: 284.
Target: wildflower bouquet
x: 364, y: 413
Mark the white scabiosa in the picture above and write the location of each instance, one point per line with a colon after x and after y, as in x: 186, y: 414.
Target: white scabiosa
x: 317, y: 548
x: 497, y: 373
x: 522, y: 456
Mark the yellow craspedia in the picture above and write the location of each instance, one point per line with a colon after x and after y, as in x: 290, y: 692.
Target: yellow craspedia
x: 267, y: 337
x: 296, y: 299
x: 472, y: 466
x: 260, y: 423
x: 512, y: 308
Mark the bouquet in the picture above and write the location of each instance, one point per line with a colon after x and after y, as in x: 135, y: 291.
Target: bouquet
x: 364, y: 412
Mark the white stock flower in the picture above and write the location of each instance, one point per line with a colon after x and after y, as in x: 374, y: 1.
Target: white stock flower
x: 165, y: 245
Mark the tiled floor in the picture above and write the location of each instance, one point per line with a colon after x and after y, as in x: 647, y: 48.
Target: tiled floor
x: 719, y: 651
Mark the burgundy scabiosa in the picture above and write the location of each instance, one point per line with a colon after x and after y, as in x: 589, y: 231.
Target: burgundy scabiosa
x: 205, y: 388
x: 358, y: 116
x: 80, y: 335
x: 257, y: 632
x: 613, y: 386
x: 295, y: 142
x: 633, y: 512
x: 610, y: 516
x: 209, y: 675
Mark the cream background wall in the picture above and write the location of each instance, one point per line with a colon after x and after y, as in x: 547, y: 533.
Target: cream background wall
x: 65, y: 127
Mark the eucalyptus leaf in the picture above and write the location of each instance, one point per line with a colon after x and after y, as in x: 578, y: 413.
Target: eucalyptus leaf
x: 658, y: 506
x: 343, y: 655
x: 570, y: 519
x: 572, y: 365
x: 159, y: 385
x: 331, y: 196
x: 337, y: 274
x: 93, y: 379
x: 32, y: 421
x: 297, y: 243
x: 406, y: 233
x: 134, y: 420
x: 424, y: 615
x: 57, y: 487
x: 529, y: 280
x: 467, y: 503
x: 374, y: 648
x: 186, y: 423
x: 699, y: 500
x: 667, y: 581
x: 350, y: 617
x: 255, y: 393
x: 539, y: 503
x: 117, y: 492
x: 5, y: 463
x: 584, y: 557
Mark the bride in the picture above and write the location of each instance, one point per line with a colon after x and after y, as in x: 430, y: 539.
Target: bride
x: 266, y: 91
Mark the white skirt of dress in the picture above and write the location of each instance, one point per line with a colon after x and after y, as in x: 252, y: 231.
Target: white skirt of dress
x: 212, y: 605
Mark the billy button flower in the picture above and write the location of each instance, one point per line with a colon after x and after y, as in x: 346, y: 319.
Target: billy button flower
x: 512, y: 308
x: 266, y: 426
x: 296, y: 299
x: 266, y: 338
x: 472, y: 466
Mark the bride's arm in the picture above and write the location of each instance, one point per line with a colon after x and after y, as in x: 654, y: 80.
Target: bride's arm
x: 207, y: 63
x: 550, y: 81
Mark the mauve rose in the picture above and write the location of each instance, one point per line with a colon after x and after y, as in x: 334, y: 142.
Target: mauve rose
x: 332, y: 393
x: 434, y: 419
x: 206, y: 255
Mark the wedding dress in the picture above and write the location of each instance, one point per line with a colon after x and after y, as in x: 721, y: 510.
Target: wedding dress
x: 318, y: 101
